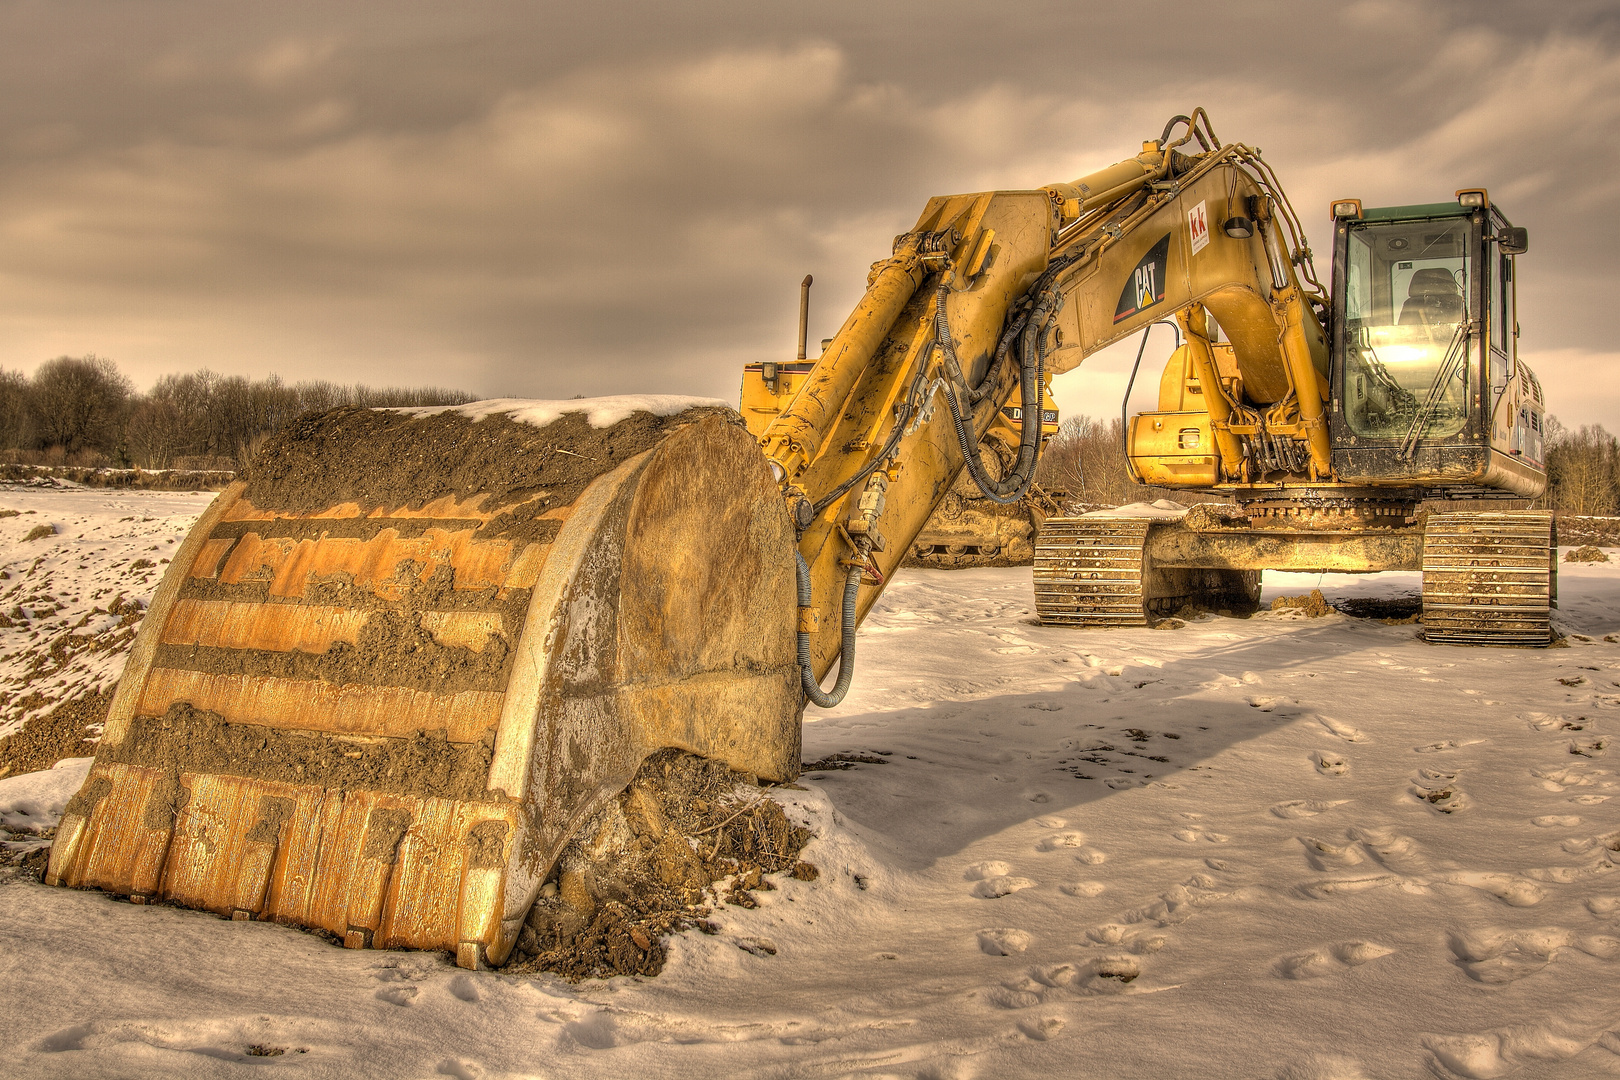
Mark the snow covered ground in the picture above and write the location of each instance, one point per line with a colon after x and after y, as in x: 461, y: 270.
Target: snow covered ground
x: 71, y: 599
x: 1313, y: 849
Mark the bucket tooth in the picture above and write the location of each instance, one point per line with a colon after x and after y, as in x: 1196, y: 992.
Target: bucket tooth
x: 389, y: 675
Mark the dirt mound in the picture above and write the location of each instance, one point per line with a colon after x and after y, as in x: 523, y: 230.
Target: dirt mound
x: 66, y: 731
x: 647, y: 865
x: 381, y: 458
x: 1313, y: 604
x: 1586, y: 554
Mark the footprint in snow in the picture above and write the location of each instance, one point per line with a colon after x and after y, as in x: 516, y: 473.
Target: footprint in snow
x: 1513, y: 891
x: 1327, y: 857
x: 1083, y: 888
x: 1445, y: 799
x: 1002, y: 885
x: 1445, y: 744
x: 1341, y: 729
x: 1004, y: 940
x: 1105, y: 974
x: 1573, y: 776
x: 1042, y: 1028
x: 984, y: 870
x: 1330, y: 764
x: 1546, y: 722
x: 1300, y: 808
x: 1389, y: 848
x: 1330, y: 959
x: 1069, y: 838
x: 1090, y: 856
x: 1497, y: 956
x: 1555, y: 821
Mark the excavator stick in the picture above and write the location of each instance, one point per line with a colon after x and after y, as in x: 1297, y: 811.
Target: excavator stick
x: 388, y: 676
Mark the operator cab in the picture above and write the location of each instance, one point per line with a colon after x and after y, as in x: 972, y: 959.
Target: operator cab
x: 1427, y: 388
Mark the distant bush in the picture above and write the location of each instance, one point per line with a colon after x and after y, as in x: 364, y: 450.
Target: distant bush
x: 82, y: 412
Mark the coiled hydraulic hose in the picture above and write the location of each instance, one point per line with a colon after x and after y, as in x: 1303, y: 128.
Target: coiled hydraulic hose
x: 1031, y: 349
x: 846, y: 656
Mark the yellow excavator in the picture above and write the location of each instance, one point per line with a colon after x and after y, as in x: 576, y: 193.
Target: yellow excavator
x: 392, y: 671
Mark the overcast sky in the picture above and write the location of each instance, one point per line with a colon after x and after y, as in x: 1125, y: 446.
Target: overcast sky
x: 549, y: 199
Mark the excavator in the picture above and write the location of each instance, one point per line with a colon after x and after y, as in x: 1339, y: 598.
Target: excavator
x: 396, y: 666
x: 966, y: 529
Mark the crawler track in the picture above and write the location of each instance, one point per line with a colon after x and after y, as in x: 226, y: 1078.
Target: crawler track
x: 1489, y: 579
x: 1088, y: 571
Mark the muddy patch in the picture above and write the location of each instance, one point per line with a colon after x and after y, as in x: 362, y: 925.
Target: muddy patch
x: 69, y: 730
x: 190, y: 740
x: 1399, y: 609
x: 686, y: 835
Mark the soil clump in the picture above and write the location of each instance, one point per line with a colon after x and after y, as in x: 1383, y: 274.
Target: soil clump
x: 686, y: 834
x: 69, y: 730
x: 1313, y: 605
x: 1586, y: 554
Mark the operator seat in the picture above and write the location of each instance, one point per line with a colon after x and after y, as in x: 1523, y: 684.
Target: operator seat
x: 1432, y: 297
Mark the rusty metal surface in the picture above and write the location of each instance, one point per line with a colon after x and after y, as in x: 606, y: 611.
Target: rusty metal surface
x: 1489, y: 578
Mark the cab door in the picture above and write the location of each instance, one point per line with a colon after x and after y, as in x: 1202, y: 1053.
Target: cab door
x: 1512, y: 429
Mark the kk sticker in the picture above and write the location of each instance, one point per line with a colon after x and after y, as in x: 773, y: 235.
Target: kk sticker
x: 1198, y: 227
x: 1146, y: 285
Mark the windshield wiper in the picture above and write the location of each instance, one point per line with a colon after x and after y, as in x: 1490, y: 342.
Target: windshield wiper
x: 1455, y: 353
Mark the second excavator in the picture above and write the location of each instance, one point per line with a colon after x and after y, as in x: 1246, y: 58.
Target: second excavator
x: 392, y: 670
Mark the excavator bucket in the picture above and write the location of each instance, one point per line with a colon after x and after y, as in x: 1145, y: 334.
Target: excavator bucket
x: 388, y: 675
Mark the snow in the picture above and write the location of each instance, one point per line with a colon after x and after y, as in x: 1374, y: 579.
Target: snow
x: 601, y: 412
x: 35, y: 800
x: 59, y: 637
x: 1159, y: 509
x: 1277, y: 847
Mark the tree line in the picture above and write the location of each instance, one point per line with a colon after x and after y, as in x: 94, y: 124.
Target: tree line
x: 81, y: 410
x: 1086, y: 461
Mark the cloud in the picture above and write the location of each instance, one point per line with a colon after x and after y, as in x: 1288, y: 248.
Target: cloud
x: 521, y: 205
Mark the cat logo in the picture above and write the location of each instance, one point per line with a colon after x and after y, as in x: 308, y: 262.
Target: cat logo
x: 1146, y: 285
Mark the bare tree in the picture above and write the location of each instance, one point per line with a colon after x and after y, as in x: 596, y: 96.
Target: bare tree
x: 16, y: 430
x: 1583, y: 469
x: 79, y: 403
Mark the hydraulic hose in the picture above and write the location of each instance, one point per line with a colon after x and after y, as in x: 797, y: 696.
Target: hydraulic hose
x: 1031, y: 347
x: 1125, y: 403
x: 846, y: 656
